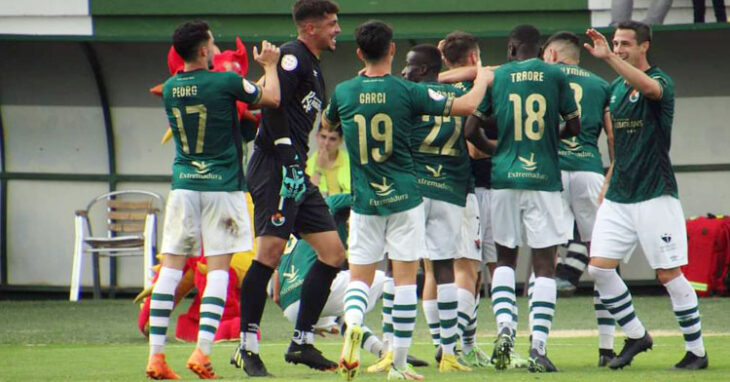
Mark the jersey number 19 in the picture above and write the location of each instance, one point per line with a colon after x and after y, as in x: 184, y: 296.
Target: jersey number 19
x: 381, y: 130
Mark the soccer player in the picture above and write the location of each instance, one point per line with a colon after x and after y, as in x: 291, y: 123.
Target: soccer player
x: 641, y: 204
x: 528, y: 97
x: 377, y: 112
x: 459, y: 50
x: 284, y: 198
x: 580, y: 162
x: 442, y: 169
x: 206, y: 198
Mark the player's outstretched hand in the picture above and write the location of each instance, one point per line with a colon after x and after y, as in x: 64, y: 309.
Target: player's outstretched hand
x: 292, y: 182
x: 269, y: 55
x: 600, y: 48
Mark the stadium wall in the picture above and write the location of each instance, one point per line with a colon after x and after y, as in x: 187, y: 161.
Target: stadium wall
x: 59, y: 151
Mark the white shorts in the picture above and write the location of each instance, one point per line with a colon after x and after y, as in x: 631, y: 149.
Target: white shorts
x: 581, y: 190
x: 401, y: 235
x: 541, y: 212
x: 443, y: 224
x: 335, y: 305
x: 221, y: 218
x: 470, y: 245
x: 657, y: 224
x: 484, y: 199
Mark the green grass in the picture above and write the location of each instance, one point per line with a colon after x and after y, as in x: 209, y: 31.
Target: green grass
x: 98, y: 341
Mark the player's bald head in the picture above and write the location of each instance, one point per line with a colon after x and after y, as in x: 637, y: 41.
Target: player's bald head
x: 566, y: 44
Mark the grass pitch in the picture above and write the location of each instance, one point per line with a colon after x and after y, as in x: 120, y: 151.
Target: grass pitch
x: 98, y: 341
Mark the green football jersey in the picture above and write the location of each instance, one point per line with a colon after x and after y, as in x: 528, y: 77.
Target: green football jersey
x: 528, y: 98
x: 642, y: 132
x: 201, y: 110
x: 439, y: 153
x: 378, y: 115
x: 591, y: 96
x: 299, y: 256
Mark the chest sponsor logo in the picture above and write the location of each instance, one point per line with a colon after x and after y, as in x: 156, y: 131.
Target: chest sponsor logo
x: 634, y: 96
x: 292, y: 275
x: 383, y: 189
x: 528, y: 164
x: 311, y: 102
x: 436, y: 173
x: 289, y: 62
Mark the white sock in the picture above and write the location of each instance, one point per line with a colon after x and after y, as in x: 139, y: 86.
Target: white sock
x: 371, y: 343
x: 606, y: 323
x: 388, y: 295
x: 686, y: 309
x: 161, y: 304
x: 447, y: 313
x: 431, y: 312
x: 466, y: 303
x: 543, y: 310
x: 530, y: 290
x: 616, y: 298
x: 503, y: 294
x: 404, y: 320
x: 356, y: 302
x: 211, y: 308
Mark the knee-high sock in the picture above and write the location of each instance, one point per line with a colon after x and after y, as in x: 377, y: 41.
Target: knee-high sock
x: 503, y: 294
x: 315, y: 291
x: 447, y: 312
x: 404, y: 320
x: 470, y: 333
x: 431, y: 312
x: 606, y: 323
x: 543, y: 310
x: 253, y: 301
x: 686, y: 309
x: 530, y: 291
x: 211, y: 308
x: 356, y: 302
x: 616, y: 298
x: 161, y: 303
x: 466, y: 303
x: 388, y: 296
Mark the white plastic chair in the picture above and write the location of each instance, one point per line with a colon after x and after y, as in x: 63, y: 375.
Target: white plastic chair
x: 131, y: 230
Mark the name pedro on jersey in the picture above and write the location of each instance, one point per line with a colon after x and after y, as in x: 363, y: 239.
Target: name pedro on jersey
x: 527, y: 75
x: 184, y: 91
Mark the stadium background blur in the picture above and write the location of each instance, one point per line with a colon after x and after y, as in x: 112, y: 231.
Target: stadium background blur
x: 67, y: 63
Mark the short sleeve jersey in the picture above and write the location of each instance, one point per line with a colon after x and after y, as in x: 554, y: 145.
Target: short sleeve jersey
x: 302, y: 96
x: 528, y: 98
x: 201, y: 111
x: 378, y: 115
x: 299, y: 256
x: 439, y: 153
x: 642, y: 131
x: 591, y: 96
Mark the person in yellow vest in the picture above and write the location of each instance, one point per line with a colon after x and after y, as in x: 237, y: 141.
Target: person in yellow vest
x: 329, y: 167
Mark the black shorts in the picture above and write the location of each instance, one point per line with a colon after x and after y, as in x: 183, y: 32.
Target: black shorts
x: 309, y: 215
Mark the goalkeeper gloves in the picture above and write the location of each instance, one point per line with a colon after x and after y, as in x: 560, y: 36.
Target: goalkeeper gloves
x: 292, y: 182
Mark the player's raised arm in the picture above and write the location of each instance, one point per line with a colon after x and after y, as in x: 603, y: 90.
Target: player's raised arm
x: 639, y: 80
x: 467, y: 103
x: 268, y: 58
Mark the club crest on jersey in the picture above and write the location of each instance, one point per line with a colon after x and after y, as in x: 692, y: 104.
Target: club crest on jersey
x: 200, y: 167
x: 289, y: 62
x: 634, y: 96
x: 278, y: 219
x: 667, y: 238
x: 436, y: 96
x: 311, y: 102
